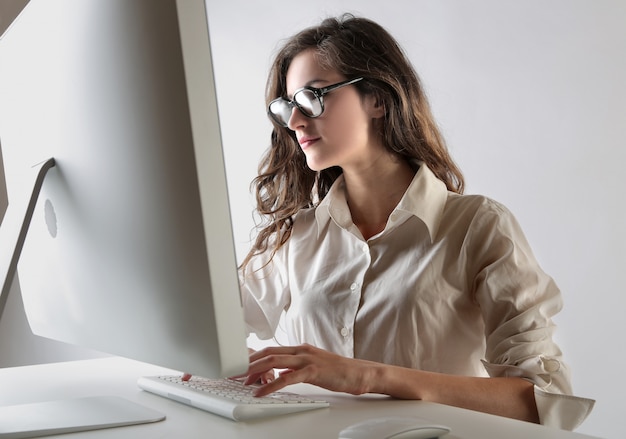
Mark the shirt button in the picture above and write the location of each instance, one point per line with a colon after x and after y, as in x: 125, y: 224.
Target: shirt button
x: 344, y: 332
x: 551, y: 365
x: 354, y: 287
x: 365, y: 248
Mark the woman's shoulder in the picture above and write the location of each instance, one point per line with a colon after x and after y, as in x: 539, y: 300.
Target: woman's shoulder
x: 480, y: 214
x: 477, y: 203
x: 304, y: 222
x: 305, y: 216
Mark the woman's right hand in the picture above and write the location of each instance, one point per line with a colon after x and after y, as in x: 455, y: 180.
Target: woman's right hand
x: 264, y: 378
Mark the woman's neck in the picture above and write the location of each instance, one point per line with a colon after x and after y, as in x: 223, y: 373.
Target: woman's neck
x: 373, y: 194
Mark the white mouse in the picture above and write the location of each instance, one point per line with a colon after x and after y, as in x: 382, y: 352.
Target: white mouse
x: 394, y: 427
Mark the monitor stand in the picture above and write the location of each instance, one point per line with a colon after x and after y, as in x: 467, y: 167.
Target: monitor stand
x: 63, y: 416
x: 15, y: 226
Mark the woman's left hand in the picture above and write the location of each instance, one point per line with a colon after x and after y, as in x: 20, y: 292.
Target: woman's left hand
x: 308, y: 364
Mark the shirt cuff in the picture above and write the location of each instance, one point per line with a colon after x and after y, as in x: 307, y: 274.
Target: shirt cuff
x: 561, y: 411
x: 556, y: 406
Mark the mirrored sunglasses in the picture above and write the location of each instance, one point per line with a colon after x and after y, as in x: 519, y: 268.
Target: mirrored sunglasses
x: 309, y: 100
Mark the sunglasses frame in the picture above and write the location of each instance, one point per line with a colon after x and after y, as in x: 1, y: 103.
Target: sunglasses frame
x: 317, y: 92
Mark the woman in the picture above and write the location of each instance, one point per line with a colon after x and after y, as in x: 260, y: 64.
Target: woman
x: 391, y: 280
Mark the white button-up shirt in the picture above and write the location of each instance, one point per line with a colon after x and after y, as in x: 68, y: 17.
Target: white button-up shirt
x: 450, y: 285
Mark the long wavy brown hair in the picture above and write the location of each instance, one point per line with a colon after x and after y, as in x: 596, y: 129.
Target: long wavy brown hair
x: 354, y: 47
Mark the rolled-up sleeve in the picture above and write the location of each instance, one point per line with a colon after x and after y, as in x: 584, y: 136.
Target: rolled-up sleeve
x: 518, y: 301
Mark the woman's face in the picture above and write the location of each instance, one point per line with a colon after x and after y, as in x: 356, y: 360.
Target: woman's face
x: 344, y: 134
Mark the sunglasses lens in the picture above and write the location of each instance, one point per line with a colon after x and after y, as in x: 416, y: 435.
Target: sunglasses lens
x: 306, y: 100
x: 280, y: 111
x: 308, y: 103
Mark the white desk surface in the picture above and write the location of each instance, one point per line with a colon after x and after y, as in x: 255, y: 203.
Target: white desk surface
x: 118, y: 376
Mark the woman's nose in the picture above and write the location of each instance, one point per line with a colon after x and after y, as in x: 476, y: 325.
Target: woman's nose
x: 297, y: 119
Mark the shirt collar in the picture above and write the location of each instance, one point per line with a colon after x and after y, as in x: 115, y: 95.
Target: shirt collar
x: 425, y: 198
x: 334, y: 206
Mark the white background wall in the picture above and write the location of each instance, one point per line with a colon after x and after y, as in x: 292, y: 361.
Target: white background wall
x: 531, y: 97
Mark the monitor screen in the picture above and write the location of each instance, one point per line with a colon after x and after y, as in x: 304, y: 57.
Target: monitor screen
x: 130, y: 249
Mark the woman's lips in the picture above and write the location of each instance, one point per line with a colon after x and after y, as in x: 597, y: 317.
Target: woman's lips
x: 307, y: 141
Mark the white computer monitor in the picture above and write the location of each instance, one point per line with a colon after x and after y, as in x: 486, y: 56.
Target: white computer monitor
x: 130, y: 249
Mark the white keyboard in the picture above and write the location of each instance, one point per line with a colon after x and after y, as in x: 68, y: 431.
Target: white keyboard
x: 228, y: 398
